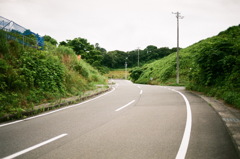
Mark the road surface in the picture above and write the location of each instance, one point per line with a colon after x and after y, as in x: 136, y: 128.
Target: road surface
x: 131, y: 121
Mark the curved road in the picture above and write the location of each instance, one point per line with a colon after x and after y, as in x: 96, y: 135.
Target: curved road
x: 130, y: 122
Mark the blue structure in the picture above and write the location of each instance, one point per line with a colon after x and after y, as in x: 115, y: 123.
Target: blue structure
x: 12, y: 27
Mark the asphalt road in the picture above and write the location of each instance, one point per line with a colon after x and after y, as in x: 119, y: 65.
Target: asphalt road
x: 130, y: 122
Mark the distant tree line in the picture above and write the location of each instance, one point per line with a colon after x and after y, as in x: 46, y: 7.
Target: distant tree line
x: 117, y: 59
x: 102, y: 59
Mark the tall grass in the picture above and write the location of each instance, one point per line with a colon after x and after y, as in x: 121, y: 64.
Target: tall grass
x: 117, y: 74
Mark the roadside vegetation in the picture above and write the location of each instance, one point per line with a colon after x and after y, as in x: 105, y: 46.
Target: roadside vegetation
x: 211, y: 66
x: 30, y: 77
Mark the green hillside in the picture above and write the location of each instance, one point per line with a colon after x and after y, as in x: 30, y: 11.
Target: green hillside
x: 29, y: 76
x: 211, y: 66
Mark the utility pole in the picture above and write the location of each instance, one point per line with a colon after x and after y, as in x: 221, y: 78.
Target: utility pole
x: 138, y: 56
x: 126, y: 69
x: 177, y: 59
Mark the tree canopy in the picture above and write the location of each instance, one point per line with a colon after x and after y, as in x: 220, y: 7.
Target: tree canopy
x: 90, y: 53
x: 50, y: 40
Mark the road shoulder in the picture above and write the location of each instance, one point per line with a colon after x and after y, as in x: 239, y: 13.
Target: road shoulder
x: 229, y: 115
x: 55, y: 105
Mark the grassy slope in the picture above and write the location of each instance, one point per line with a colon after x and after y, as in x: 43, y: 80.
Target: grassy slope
x: 163, y: 71
x: 210, y: 66
x: 29, y: 76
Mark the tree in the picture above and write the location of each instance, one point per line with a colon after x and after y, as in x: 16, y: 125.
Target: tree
x: 152, y: 52
x: 107, y: 60
x: 133, y: 58
x: 97, y: 47
x: 80, y: 46
x: 115, y: 59
x: 63, y: 43
x: 50, y: 40
x: 163, y: 51
x: 90, y: 53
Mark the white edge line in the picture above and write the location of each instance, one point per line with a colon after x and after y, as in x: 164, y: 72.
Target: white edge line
x: 11, y: 123
x: 34, y: 147
x: 125, y: 105
x: 48, y: 113
x: 187, y: 132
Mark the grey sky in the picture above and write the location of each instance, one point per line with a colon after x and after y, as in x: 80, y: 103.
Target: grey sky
x: 124, y: 24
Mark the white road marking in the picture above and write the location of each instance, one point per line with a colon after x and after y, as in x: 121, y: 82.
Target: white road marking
x: 18, y: 121
x: 139, y: 87
x: 48, y: 113
x: 141, y: 91
x: 187, y: 132
x: 125, y: 105
x: 34, y: 147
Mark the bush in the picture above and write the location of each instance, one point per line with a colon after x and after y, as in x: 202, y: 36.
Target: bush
x: 135, y: 73
x: 43, y: 71
x: 217, y: 66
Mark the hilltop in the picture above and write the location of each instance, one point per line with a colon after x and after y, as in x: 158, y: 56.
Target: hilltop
x: 211, y: 66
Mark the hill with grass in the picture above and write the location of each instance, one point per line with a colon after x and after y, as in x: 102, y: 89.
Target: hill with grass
x: 211, y: 66
x: 29, y: 76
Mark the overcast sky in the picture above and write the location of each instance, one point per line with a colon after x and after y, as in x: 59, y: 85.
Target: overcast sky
x: 124, y: 24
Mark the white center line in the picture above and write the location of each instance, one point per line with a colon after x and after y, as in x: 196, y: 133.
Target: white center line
x: 125, y: 105
x: 141, y: 91
x: 34, y: 147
